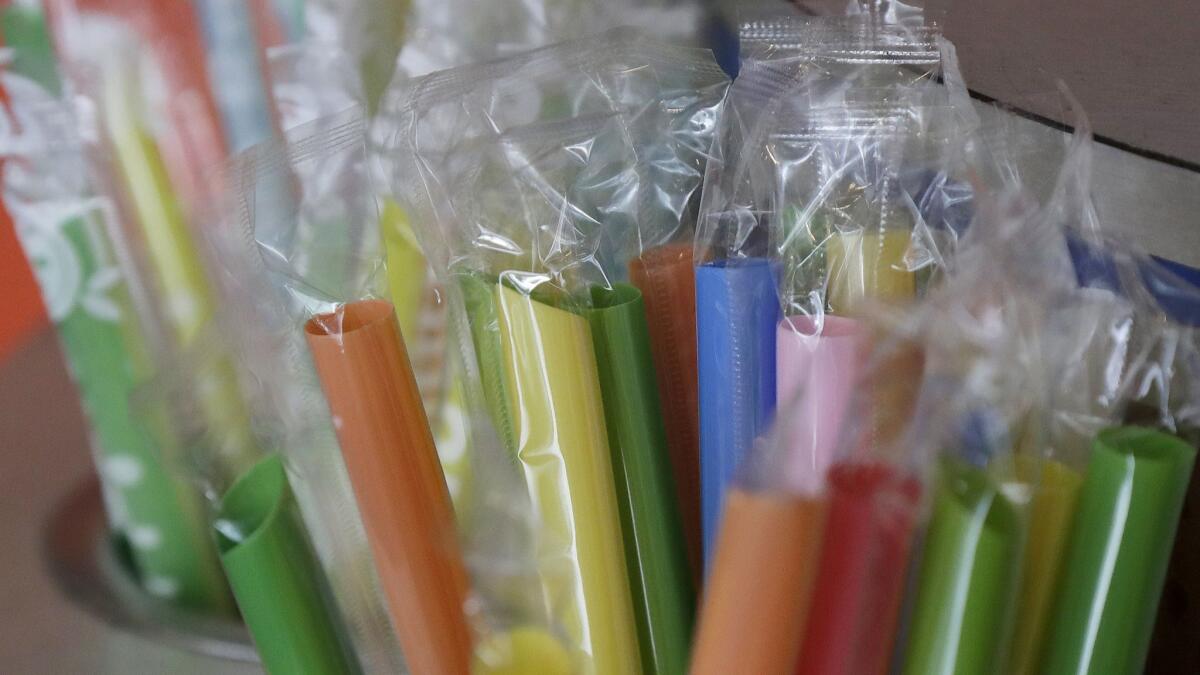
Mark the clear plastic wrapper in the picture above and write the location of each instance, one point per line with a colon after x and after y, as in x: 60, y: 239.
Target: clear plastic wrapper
x: 128, y: 64
x: 621, y: 212
x: 65, y: 230
x: 155, y: 144
x: 337, y: 291
x: 335, y: 206
x: 844, y: 190
x: 1139, y: 476
x: 1026, y: 565
x: 448, y: 34
x: 524, y: 267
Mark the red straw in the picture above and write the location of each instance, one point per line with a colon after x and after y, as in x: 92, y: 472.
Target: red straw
x: 860, y: 580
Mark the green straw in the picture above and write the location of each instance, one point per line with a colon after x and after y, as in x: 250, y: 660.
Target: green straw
x: 24, y: 31
x: 659, y: 577
x: 276, y: 578
x: 1120, y: 545
x: 479, y: 296
x: 965, y: 596
x: 164, y: 519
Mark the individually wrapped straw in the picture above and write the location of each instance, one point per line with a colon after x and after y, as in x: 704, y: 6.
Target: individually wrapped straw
x: 1120, y: 544
x: 537, y: 362
x: 619, y: 210
x: 289, y: 408
x: 156, y: 174
x: 385, y: 437
x: 333, y: 281
x: 654, y: 544
x: 65, y: 233
x: 551, y: 372
x: 666, y: 277
x: 737, y: 311
x: 1137, y: 478
x: 274, y: 573
x: 237, y: 70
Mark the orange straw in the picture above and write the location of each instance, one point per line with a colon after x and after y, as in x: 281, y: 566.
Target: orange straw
x: 757, y: 597
x: 393, y: 465
x: 667, y: 279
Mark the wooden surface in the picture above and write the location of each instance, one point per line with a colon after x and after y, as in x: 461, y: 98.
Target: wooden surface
x: 1135, y: 66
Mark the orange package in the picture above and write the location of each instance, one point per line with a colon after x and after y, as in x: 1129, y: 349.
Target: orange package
x: 758, y: 593
x: 393, y: 465
x: 666, y: 277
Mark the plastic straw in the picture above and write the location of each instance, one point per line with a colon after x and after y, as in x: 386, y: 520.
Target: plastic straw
x: 868, y: 265
x: 756, y: 600
x: 24, y: 30
x: 562, y: 445
x: 172, y: 254
x: 397, y: 478
x: 1117, y: 558
x: 165, y: 522
x: 864, y: 565
x: 406, y: 267
x: 964, y: 596
x: 1056, y: 492
x: 236, y: 71
x: 737, y: 310
x: 276, y: 577
x: 663, y: 597
x: 822, y: 364
x: 479, y: 298
x: 667, y: 279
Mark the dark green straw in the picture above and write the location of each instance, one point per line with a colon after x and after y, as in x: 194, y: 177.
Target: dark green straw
x: 656, y: 558
x: 1120, y: 545
x: 275, y: 576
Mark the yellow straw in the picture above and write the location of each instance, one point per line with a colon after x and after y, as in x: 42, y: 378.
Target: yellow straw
x: 563, y: 449
x: 868, y: 265
x: 183, y: 286
x: 1055, y: 492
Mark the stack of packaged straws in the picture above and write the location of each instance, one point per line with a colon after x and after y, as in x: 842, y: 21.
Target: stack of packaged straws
x: 588, y: 360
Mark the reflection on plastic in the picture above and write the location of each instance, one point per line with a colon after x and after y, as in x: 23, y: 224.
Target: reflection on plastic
x: 737, y: 312
x: 663, y: 598
x: 964, y: 599
x: 1120, y: 545
x: 397, y: 478
x: 562, y: 445
x: 276, y: 577
x: 864, y: 565
x: 756, y: 600
x: 667, y: 279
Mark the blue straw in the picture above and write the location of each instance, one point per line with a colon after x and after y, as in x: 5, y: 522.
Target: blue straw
x: 737, y: 311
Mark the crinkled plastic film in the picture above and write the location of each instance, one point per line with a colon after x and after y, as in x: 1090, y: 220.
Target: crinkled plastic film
x: 288, y: 407
x: 523, y: 244
x: 1144, y: 473
x: 621, y: 214
x: 333, y: 279
x: 65, y: 231
x: 834, y: 171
